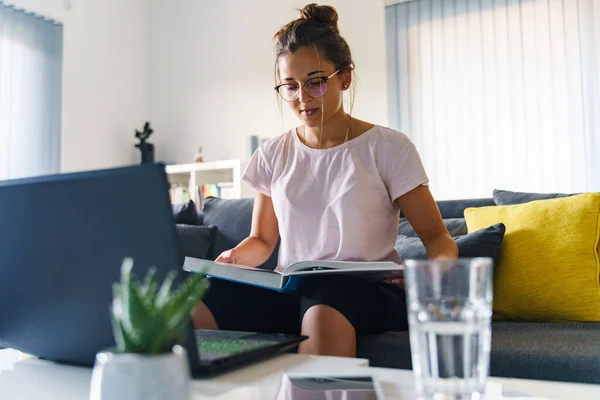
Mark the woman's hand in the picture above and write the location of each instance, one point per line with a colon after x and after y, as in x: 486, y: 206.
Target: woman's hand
x: 228, y: 257
x: 396, y: 278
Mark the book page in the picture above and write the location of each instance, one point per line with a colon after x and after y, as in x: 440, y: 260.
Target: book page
x: 198, y: 264
x: 347, y: 265
x: 235, y: 272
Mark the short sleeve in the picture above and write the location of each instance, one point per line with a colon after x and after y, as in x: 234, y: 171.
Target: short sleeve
x: 402, y: 171
x: 258, y: 173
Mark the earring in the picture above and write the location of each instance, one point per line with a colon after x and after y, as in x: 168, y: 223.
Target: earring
x: 346, y: 85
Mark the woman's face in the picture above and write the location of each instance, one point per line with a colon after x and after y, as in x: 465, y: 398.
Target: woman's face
x: 301, y: 75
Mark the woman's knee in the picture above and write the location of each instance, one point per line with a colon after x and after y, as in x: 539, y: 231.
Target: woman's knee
x: 321, y: 316
x: 203, y: 318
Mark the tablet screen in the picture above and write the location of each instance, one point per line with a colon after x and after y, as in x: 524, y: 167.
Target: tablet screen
x: 329, y: 388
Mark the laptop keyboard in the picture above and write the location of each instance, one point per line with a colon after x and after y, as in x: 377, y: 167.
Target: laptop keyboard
x: 224, y: 346
x: 218, y: 350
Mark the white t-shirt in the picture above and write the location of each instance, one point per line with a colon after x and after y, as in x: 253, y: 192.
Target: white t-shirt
x: 338, y: 203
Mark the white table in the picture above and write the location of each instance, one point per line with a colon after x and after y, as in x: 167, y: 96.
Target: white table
x: 31, y: 379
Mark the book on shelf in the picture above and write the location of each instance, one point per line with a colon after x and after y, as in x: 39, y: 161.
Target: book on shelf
x: 209, y: 190
x: 288, y: 280
x: 226, y: 190
x: 179, y: 194
x: 223, y: 190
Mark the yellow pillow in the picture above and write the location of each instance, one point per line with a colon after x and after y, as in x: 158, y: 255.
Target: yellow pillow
x: 549, y: 266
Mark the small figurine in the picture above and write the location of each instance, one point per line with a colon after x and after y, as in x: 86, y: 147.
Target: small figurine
x: 146, y: 148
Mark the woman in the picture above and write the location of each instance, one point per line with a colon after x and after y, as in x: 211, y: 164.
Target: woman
x: 331, y: 189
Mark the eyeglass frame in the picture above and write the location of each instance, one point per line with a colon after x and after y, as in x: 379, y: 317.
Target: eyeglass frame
x: 324, y: 80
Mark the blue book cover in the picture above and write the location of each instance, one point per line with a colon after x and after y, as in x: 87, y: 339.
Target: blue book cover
x: 289, y: 279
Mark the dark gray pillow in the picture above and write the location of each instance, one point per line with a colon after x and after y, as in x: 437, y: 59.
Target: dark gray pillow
x: 195, y: 241
x: 482, y: 243
x: 185, y: 213
x: 456, y: 208
x: 455, y: 226
x: 507, y: 198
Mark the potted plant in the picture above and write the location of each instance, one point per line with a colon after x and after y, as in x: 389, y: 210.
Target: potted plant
x: 149, y: 324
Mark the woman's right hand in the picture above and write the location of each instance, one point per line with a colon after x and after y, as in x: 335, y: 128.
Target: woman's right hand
x: 228, y: 257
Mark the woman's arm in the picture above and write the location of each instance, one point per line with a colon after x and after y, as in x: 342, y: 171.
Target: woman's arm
x: 258, y: 247
x: 421, y: 211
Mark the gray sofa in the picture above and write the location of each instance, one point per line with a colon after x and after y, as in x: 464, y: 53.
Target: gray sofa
x: 528, y: 350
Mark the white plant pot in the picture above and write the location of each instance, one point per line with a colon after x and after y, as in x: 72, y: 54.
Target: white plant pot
x: 141, y: 377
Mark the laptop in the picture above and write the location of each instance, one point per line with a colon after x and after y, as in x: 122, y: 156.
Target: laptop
x: 62, y: 240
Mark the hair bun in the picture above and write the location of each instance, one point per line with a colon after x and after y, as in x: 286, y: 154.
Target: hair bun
x: 325, y: 15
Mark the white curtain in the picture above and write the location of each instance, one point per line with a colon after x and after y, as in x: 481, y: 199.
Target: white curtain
x: 30, y: 94
x: 498, y: 93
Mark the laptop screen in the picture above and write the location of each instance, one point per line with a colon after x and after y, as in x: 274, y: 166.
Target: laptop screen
x: 62, y: 241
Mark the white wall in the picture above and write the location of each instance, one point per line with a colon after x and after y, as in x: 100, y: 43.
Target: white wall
x: 105, y: 82
x: 105, y: 64
x: 201, y: 71
x: 211, y: 71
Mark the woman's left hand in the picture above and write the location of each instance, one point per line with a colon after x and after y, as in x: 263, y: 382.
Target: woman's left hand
x: 396, y: 278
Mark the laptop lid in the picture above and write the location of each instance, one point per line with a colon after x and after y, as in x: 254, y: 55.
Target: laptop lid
x: 62, y: 241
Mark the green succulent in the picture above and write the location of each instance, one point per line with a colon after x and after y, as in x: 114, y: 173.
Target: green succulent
x: 148, y: 319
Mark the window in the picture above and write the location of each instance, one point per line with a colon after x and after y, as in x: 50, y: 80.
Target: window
x: 498, y: 93
x: 30, y: 94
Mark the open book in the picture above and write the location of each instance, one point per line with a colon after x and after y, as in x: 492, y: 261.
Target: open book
x: 288, y: 280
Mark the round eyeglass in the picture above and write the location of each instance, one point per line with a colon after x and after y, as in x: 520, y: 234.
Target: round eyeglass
x: 315, y: 87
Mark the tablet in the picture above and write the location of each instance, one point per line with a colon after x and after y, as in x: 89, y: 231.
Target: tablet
x: 295, y: 386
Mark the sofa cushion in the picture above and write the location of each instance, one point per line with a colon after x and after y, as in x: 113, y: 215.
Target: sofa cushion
x: 506, y: 197
x: 546, y: 351
x: 185, y: 213
x: 195, y: 241
x: 456, y: 208
x: 233, y: 220
x: 483, y: 243
x: 455, y: 226
x: 548, y: 269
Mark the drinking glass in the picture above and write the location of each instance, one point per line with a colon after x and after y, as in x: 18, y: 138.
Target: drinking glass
x: 449, y: 312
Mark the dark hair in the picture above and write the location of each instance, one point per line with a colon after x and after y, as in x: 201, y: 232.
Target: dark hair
x: 317, y: 26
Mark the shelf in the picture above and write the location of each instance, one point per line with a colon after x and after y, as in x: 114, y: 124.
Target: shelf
x: 203, y: 166
x: 194, y: 175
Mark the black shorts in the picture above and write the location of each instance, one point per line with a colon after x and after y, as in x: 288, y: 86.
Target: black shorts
x: 370, y: 308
